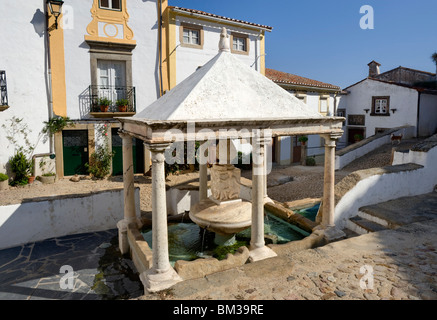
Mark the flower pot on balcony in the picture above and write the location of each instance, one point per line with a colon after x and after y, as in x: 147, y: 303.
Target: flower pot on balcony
x: 104, y: 108
x: 122, y: 108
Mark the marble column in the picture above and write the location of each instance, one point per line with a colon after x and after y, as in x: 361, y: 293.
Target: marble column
x: 328, y: 202
x: 258, y: 249
x: 161, y: 276
x: 129, y: 193
x: 203, y: 178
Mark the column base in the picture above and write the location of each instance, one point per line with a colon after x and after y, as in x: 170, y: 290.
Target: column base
x: 154, y: 281
x: 262, y: 253
x: 332, y: 234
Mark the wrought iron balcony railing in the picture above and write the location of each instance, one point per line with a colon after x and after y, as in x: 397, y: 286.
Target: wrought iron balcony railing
x: 115, y: 96
x: 3, y: 89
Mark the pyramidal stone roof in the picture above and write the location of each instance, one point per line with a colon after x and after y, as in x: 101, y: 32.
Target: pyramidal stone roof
x: 226, y: 88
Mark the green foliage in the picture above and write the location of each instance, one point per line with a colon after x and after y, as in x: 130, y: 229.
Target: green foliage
x: 434, y: 57
x: 220, y: 252
x: 104, y: 102
x: 100, y: 161
x: 3, y: 177
x: 122, y: 102
x: 303, y: 139
x: 310, y: 161
x: 56, y: 124
x: 17, y: 133
x: 358, y: 137
x: 182, y: 165
x: 22, y: 168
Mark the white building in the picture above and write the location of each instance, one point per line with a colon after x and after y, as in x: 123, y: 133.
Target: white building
x: 319, y: 97
x: 115, y: 49
x: 395, y: 98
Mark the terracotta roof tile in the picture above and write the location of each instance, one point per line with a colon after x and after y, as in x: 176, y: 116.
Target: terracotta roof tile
x: 288, y: 78
x: 221, y: 17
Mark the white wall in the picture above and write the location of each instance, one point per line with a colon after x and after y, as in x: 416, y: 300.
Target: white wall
x: 428, y: 115
x: 380, y: 188
x: 22, y: 56
x: 189, y: 59
x: 143, y: 22
x: 401, y: 98
x: 39, y: 220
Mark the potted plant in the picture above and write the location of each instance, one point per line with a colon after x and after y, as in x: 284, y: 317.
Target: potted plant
x: 22, y: 167
x: 122, y: 105
x: 46, y: 177
x: 303, y: 140
x: 104, y: 104
x: 358, y: 137
x: 4, y: 181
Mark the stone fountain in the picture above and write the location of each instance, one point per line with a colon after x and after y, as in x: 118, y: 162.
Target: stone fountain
x: 224, y: 212
x: 224, y: 94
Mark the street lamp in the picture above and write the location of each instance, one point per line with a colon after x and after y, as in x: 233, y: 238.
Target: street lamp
x: 55, y: 7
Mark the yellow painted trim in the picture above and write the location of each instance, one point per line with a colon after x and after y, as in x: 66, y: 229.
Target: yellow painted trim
x: 57, y: 60
x: 262, y: 49
x: 110, y: 17
x: 169, y: 51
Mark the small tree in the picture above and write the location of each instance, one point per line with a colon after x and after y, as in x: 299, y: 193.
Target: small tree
x: 434, y: 58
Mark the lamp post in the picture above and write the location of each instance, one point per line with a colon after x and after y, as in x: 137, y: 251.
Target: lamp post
x: 55, y: 7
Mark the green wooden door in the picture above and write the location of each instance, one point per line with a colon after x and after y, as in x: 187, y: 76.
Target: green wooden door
x: 75, y: 149
x: 117, y: 161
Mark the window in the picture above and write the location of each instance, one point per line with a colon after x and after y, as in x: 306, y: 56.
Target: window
x: 110, y: 4
x: 3, y: 89
x: 191, y: 36
x: 323, y: 106
x: 380, y: 106
x: 239, y: 43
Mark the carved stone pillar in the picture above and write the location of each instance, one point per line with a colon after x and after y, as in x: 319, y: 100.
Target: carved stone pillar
x: 129, y: 193
x: 328, y: 202
x: 161, y: 276
x: 258, y: 250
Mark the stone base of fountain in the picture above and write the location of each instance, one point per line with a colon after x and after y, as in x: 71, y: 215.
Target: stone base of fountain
x: 225, y: 219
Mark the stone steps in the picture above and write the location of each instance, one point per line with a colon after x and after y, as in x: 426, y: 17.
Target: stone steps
x: 362, y: 225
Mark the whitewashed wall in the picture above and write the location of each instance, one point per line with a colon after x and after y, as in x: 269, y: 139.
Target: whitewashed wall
x: 143, y: 22
x: 22, y: 56
x: 428, y: 115
x: 189, y: 59
x: 401, y: 98
x: 38, y: 220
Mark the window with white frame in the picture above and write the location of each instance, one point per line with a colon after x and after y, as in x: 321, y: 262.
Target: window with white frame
x: 380, y: 106
x: 191, y: 36
x: 239, y: 44
x: 110, y: 4
x: 323, y: 107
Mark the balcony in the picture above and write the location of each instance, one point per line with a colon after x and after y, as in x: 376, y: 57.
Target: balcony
x: 3, y: 91
x: 115, y: 95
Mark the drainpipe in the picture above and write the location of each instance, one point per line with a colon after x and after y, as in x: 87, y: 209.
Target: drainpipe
x: 159, y: 8
x: 49, y: 76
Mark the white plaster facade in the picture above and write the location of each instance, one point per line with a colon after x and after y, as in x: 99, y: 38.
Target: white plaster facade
x: 409, y: 104
x: 23, y: 58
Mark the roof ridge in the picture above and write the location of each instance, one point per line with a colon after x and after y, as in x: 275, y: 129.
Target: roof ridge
x: 221, y: 17
x: 309, y: 82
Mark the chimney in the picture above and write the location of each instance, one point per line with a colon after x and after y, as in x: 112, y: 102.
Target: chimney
x: 374, y: 68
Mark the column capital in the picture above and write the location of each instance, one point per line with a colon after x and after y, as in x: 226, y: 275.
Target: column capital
x: 124, y: 135
x: 332, y: 136
x: 157, y: 147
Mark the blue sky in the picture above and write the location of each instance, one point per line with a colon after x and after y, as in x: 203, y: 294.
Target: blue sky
x: 322, y: 39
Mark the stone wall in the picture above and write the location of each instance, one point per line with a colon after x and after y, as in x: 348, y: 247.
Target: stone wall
x: 44, y: 218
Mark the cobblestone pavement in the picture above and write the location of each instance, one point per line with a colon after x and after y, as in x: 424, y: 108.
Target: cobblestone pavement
x: 391, y: 264
x: 99, y: 272
x: 386, y: 265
